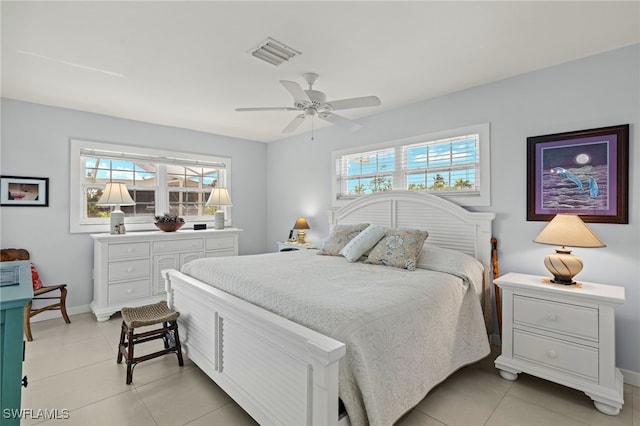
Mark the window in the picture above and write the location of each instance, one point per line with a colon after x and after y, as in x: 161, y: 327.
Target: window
x: 158, y: 182
x: 453, y: 164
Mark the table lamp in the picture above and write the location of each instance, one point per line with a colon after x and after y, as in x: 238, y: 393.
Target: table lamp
x: 301, y: 224
x: 116, y: 194
x: 219, y: 197
x: 566, y: 230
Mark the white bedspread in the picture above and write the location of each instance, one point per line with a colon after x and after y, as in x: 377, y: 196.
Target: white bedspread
x: 405, y: 331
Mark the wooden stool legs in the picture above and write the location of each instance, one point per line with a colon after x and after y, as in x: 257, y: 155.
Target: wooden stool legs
x: 128, y: 339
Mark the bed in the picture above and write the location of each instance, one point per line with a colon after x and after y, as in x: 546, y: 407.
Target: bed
x: 269, y: 335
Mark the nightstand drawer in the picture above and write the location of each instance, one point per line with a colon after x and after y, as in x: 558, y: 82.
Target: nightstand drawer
x: 178, y: 245
x: 129, y: 291
x: 128, y: 250
x: 569, y: 357
x: 573, y: 320
x: 129, y: 269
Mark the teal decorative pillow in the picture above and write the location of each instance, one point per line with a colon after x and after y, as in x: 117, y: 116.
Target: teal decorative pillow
x: 399, y: 248
x: 339, y: 238
x: 363, y: 242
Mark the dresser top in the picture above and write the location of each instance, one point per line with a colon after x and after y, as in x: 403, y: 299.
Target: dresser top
x: 183, y: 233
x: 585, y: 290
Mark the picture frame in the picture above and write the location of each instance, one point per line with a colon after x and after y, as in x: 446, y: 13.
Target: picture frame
x: 17, y: 191
x: 583, y: 172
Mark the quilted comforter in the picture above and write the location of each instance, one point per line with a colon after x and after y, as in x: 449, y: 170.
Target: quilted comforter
x: 405, y: 331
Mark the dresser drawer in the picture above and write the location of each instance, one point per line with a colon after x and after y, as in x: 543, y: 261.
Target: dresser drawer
x: 178, y: 245
x: 573, y: 320
x: 220, y: 243
x: 129, y: 269
x: 128, y: 250
x: 220, y: 253
x: 569, y: 357
x: 129, y: 291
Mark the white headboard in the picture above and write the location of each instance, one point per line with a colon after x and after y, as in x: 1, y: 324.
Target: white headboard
x: 449, y: 225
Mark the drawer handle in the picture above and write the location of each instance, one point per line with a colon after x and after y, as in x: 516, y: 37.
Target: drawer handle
x: 552, y: 354
x: 552, y: 317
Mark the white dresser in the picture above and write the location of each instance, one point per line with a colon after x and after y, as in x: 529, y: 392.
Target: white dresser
x: 565, y: 334
x: 127, y: 268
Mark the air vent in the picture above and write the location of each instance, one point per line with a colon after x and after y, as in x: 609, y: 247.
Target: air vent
x: 274, y: 52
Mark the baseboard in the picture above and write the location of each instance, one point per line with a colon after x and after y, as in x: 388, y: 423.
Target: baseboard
x: 631, y: 377
x: 47, y: 315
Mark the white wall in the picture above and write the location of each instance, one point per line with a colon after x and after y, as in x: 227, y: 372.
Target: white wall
x: 599, y: 91
x: 35, y: 142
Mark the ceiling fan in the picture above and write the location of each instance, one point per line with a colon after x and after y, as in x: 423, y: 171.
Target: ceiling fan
x: 314, y: 103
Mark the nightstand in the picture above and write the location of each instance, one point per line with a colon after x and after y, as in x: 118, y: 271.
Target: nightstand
x: 565, y: 334
x: 293, y: 245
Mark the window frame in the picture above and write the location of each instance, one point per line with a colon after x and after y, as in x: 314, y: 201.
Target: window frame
x: 77, y: 199
x: 482, y: 197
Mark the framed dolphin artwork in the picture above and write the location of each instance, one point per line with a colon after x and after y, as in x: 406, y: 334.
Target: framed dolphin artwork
x: 583, y: 172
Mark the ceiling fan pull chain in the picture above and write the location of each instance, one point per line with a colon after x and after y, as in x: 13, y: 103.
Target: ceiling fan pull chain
x: 312, y: 127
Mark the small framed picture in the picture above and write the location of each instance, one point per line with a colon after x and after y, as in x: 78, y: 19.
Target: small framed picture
x: 584, y: 172
x: 24, y: 191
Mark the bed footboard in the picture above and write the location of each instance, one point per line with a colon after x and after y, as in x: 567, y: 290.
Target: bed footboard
x: 279, y: 372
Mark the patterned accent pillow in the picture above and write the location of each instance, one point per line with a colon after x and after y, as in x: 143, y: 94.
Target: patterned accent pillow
x: 339, y: 238
x: 35, y: 278
x: 363, y: 242
x: 399, y: 248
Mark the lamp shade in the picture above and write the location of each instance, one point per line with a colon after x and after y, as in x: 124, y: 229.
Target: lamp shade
x: 219, y: 197
x: 301, y: 223
x: 115, y: 194
x: 568, y: 230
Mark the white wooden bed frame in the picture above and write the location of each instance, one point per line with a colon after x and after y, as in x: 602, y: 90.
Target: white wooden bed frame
x: 280, y: 372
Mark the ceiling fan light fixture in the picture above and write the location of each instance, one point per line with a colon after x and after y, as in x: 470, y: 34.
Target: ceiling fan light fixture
x: 274, y: 52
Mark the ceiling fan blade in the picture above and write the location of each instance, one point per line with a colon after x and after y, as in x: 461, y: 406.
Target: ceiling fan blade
x: 295, y: 123
x: 340, y: 121
x: 268, y: 109
x: 365, y: 101
x: 295, y: 90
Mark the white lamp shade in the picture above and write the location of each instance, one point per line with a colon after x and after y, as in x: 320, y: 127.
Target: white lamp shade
x: 219, y: 197
x: 115, y: 194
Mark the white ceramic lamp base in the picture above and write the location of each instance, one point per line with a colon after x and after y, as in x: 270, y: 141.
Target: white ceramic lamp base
x: 117, y: 219
x: 218, y: 219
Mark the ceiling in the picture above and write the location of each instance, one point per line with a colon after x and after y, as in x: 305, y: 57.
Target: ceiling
x: 186, y: 63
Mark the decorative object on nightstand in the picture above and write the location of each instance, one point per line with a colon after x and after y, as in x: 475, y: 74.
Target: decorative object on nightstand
x: 219, y: 197
x: 566, y: 230
x: 565, y: 334
x: 116, y: 194
x: 301, y: 224
x: 169, y: 222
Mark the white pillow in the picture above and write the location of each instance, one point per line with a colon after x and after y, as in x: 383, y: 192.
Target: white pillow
x: 363, y: 242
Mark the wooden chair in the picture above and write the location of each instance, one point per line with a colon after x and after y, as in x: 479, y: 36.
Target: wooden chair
x: 7, y: 255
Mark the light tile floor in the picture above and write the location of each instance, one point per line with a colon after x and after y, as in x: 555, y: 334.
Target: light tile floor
x: 73, y: 367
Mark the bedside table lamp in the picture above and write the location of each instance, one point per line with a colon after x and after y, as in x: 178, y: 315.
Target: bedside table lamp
x: 301, y: 224
x: 116, y: 194
x: 566, y: 230
x: 219, y: 197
